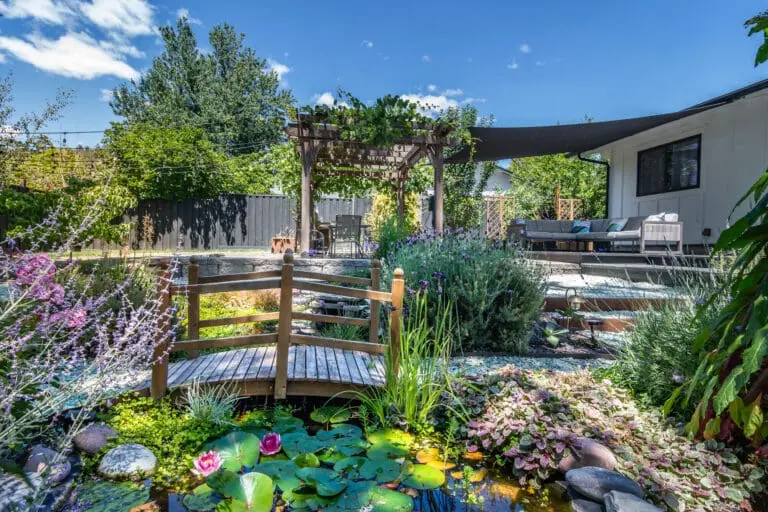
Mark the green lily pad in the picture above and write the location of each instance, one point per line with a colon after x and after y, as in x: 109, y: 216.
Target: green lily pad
x: 272, y: 458
x: 236, y: 450
x: 391, y: 436
x: 387, y: 451
x: 350, y: 466
x: 331, y: 414
x: 327, y: 482
x: 202, y: 499
x: 287, y: 424
x: 381, y: 470
x: 341, y: 431
x: 111, y: 496
x: 306, y: 460
x: 421, y: 476
x: 305, y: 498
x: 218, y: 480
x: 282, y: 472
x: 368, y: 496
x: 252, y: 492
x: 331, y: 455
x: 349, y: 446
x: 296, y: 443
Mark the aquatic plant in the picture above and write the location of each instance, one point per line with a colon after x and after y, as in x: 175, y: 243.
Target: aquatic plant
x: 213, y: 404
x: 207, y: 464
x: 270, y: 444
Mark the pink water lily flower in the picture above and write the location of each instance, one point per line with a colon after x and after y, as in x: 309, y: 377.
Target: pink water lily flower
x: 207, y: 464
x: 270, y: 444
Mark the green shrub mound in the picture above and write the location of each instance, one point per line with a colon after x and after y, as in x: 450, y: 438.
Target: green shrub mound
x: 495, y: 293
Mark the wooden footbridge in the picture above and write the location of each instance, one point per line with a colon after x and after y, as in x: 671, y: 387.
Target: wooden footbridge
x: 282, y: 363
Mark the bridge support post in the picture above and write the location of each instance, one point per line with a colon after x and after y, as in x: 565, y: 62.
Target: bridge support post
x: 395, y: 319
x: 373, y: 331
x: 159, y: 384
x: 193, y: 310
x: 284, y: 326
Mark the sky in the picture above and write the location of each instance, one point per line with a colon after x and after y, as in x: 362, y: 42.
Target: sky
x: 524, y: 62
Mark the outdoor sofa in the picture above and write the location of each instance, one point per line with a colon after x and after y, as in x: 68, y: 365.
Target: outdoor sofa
x: 662, y: 231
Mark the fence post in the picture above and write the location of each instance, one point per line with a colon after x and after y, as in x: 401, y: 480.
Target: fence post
x: 373, y: 334
x: 284, y: 326
x: 193, y: 309
x: 395, y: 318
x: 159, y: 383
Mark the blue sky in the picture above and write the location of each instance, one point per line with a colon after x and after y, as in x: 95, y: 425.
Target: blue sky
x: 527, y: 63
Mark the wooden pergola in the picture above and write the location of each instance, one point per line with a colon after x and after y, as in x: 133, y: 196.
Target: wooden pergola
x: 324, y: 151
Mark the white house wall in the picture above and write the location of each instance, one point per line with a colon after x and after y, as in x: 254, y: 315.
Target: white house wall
x: 734, y: 142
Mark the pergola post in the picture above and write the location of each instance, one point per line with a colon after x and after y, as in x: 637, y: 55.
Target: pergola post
x: 436, y: 155
x: 400, y: 193
x: 307, y: 159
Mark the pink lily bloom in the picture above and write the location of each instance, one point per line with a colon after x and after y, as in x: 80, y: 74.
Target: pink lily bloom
x: 270, y: 444
x: 207, y: 464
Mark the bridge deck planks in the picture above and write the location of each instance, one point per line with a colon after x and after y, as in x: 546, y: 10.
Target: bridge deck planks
x: 306, y: 363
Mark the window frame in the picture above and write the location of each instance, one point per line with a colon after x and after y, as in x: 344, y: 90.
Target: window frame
x: 698, y: 166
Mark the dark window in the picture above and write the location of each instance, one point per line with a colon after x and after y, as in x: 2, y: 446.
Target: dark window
x: 673, y: 166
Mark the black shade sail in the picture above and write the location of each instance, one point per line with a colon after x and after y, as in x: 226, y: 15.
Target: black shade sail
x: 502, y: 143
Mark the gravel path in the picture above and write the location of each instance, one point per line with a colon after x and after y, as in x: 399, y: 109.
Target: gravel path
x: 483, y: 365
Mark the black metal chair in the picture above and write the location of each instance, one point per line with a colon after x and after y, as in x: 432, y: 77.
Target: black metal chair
x: 347, y: 231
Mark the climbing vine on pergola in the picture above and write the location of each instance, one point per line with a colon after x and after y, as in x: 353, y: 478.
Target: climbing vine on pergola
x: 382, y: 142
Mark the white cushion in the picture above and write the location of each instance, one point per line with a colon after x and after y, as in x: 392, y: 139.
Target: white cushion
x: 657, y: 217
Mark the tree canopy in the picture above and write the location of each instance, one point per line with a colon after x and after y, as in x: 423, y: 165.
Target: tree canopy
x: 229, y: 92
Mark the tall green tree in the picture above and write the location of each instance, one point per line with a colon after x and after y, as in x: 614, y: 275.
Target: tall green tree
x: 229, y: 92
x: 464, y: 183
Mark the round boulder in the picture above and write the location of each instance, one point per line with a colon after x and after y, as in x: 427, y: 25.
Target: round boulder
x: 93, y: 438
x: 581, y: 505
x: 616, y: 501
x: 590, y: 453
x: 40, y: 463
x: 128, y: 461
x: 594, y: 483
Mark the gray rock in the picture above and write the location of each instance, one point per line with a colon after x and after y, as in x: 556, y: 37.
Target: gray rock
x: 39, y: 465
x: 594, y: 483
x: 616, y: 501
x: 581, y: 505
x: 14, y: 492
x: 590, y: 453
x: 93, y: 438
x: 128, y: 461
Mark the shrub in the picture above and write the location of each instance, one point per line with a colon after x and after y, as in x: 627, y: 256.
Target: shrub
x: 496, y: 294
x: 210, y: 404
x: 658, y: 353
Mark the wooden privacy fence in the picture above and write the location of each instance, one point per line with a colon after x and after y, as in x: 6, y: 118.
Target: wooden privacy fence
x: 283, y: 362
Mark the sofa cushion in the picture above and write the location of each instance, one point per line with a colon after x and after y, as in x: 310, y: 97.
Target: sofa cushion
x: 634, y: 223
x: 599, y: 225
x: 624, y: 235
x: 543, y: 235
x: 616, y: 224
x: 580, y: 226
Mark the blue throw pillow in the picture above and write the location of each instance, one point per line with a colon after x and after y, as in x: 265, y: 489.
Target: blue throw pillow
x: 580, y: 226
x: 617, y: 225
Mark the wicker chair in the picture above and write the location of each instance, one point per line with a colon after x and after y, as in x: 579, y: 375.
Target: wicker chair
x: 347, y: 231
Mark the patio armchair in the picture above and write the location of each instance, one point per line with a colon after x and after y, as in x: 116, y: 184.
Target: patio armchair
x: 347, y: 230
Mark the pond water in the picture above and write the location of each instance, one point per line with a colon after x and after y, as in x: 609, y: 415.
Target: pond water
x: 494, y: 494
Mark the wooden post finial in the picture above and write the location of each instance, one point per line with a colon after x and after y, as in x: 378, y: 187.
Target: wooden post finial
x: 399, y: 273
x: 375, y: 263
x: 288, y: 256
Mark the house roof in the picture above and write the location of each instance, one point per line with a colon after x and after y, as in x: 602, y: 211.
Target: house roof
x: 503, y: 143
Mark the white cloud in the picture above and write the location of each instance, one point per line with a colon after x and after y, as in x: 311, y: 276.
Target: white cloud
x: 470, y: 99
x: 130, y: 17
x: 367, y: 43
x: 184, y: 13
x: 426, y: 58
x: 279, y: 68
x: 47, y: 11
x: 453, y: 92
x: 2, y: 58
x: 431, y: 87
x: 327, y: 99
x: 74, y: 55
x: 513, y: 65
x: 431, y: 103
x: 525, y: 48
x: 118, y: 46
x: 106, y: 95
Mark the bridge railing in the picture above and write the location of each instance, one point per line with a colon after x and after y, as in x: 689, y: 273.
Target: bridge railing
x: 285, y: 280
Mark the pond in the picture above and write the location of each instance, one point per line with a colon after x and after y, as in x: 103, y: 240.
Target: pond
x: 326, y: 461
